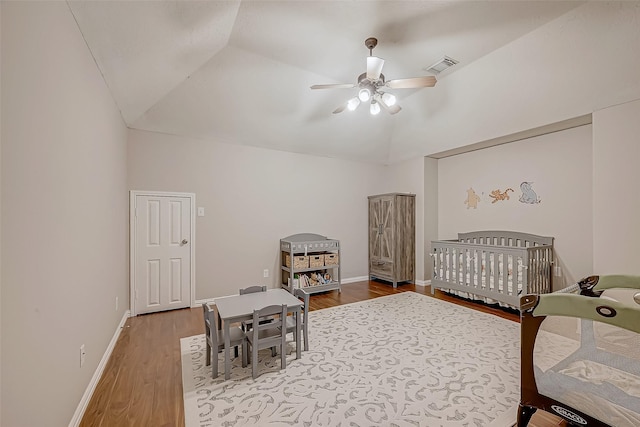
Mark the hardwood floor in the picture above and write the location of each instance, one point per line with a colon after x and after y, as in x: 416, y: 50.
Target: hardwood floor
x: 142, y: 382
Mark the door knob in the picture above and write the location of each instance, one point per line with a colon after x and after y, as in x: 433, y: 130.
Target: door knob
x: 185, y: 241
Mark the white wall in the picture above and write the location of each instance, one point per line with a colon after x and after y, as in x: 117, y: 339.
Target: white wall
x: 252, y: 198
x: 583, y: 61
x: 560, y: 167
x: 430, y: 211
x: 616, y: 174
x: 64, y: 214
x: 408, y: 177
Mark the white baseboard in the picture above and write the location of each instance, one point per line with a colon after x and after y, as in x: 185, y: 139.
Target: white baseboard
x: 199, y: 302
x: 423, y: 282
x: 354, y: 279
x: 82, y: 406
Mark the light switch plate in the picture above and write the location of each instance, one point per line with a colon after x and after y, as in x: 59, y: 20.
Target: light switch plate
x: 83, y: 354
x: 200, y: 211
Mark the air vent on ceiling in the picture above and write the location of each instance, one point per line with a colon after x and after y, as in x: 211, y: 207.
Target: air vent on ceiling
x: 441, y: 65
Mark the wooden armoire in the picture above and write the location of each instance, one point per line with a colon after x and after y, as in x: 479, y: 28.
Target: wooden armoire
x: 392, y: 237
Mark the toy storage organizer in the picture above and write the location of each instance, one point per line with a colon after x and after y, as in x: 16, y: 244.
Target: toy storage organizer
x: 305, y: 254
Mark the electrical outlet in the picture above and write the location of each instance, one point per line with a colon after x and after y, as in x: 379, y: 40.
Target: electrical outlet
x: 116, y: 303
x: 265, y: 272
x: 83, y: 353
x: 557, y: 271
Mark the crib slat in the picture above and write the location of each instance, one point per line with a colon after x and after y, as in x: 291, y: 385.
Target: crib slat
x: 465, y: 263
x: 449, y: 264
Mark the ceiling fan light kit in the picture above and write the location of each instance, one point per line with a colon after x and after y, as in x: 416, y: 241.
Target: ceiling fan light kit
x: 374, y: 108
x: 353, y: 103
x: 371, y: 82
x: 364, y: 94
x: 389, y: 99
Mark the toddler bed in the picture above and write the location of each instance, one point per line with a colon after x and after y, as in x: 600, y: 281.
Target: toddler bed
x: 581, y: 353
x: 493, y: 266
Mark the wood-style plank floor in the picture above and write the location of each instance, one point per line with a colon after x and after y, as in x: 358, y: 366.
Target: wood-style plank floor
x: 142, y: 382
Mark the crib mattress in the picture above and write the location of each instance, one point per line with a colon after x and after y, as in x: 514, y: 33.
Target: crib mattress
x: 484, y: 281
x: 480, y: 275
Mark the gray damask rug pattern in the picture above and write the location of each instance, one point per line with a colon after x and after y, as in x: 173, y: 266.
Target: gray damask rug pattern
x: 399, y: 360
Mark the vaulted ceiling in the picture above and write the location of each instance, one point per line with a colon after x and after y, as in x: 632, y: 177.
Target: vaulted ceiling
x: 240, y: 71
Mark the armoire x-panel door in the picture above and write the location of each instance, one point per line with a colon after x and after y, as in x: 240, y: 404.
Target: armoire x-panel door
x: 381, y: 229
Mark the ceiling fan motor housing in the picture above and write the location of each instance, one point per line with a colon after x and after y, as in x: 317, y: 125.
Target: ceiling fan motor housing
x: 364, y: 82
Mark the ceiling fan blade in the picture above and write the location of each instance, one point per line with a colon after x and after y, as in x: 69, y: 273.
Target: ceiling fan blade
x: 340, y: 109
x: 374, y: 67
x: 334, y: 86
x: 394, y: 109
x: 415, y: 82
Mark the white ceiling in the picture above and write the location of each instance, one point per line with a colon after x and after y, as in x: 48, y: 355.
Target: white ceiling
x: 239, y: 71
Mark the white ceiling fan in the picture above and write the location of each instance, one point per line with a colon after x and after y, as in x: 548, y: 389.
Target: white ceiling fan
x: 371, y: 84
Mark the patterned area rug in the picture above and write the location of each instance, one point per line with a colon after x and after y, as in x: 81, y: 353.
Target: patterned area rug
x: 400, y: 360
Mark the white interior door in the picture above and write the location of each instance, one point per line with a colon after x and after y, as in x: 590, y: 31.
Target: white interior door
x: 162, y: 253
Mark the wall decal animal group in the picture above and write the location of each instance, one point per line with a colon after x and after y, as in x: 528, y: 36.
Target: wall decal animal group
x: 497, y: 195
x: 528, y: 195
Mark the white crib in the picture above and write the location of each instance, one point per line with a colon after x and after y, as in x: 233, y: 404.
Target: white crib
x: 493, y: 266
